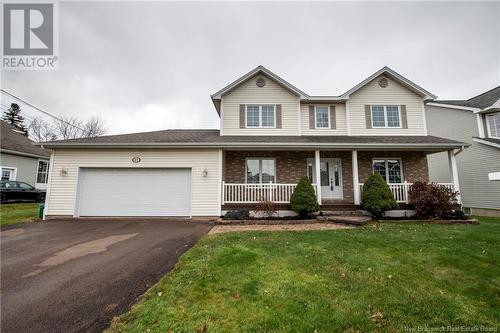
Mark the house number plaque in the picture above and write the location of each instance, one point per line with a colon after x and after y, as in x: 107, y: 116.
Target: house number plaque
x: 136, y: 159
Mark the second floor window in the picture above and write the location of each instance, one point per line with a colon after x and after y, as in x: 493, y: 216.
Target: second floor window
x: 494, y: 125
x: 322, y: 116
x: 384, y: 116
x: 260, y: 116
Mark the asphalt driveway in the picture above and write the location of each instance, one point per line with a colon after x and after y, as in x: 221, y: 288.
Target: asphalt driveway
x: 76, y: 275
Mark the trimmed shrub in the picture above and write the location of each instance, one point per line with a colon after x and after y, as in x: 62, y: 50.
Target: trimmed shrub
x: 240, y: 214
x: 304, y: 200
x: 266, y: 207
x: 432, y: 200
x: 377, y: 196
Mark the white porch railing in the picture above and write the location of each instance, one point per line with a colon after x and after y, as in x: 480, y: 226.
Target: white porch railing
x: 254, y: 193
x: 400, y: 190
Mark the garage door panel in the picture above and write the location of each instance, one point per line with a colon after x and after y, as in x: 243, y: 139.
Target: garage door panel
x: 134, y: 192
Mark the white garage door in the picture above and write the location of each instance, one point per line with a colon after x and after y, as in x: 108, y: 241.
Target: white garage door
x: 134, y: 192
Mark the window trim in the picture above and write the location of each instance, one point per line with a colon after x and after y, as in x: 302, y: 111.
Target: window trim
x: 315, y: 117
x: 36, y: 172
x: 386, y: 167
x: 488, y: 124
x: 386, y: 124
x: 260, y: 115
x: 260, y: 169
x: 11, y: 168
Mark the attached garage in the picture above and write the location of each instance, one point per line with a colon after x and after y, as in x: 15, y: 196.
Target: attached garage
x: 134, y: 192
x: 134, y: 182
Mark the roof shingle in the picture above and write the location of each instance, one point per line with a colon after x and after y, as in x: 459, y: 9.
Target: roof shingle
x: 480, y: 101
x: 14, y: 141
x: 204, y: 136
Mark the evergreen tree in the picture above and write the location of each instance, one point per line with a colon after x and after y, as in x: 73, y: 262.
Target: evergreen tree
x: 304, y: 200
x: 13, y: 117
x: 377, y: 196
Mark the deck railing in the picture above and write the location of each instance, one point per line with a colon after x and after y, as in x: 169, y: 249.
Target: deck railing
x: 254, y: 193
x: 401, y: 190
x: 281, y: 193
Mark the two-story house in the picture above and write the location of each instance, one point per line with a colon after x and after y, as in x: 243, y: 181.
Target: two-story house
x: 271, y: 134
x: 475, y: 121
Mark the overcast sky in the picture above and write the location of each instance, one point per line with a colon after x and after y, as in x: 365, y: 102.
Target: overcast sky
x: 150, y: 66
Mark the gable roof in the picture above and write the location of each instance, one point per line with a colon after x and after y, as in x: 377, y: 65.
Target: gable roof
x: 213, y: 139
x: 481, y: 101
x: 259, y: 70
x: 14, y: 142
x: 216, y: 97
x: 395, y: 75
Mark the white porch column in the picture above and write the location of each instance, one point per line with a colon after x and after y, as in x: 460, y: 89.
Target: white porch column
x: 317, y: 161
x: 355, y: 177
x: 454, y: 172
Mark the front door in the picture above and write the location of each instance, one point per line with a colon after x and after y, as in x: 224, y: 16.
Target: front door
x: 330, y: 176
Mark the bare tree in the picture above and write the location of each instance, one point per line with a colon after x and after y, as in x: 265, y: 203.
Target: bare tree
x: 94, y: 126
x: 68, y: 127
x: 41, y: 131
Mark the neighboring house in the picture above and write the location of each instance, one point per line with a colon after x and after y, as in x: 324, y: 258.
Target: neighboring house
x: 21, y: 160
x: 477, y: 122
x: 271, y: 134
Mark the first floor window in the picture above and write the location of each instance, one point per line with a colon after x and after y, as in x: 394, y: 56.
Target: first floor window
x: 8, y: 173
x: 385, y: 116
x: 260, y: 116
x: 260, y: 170
x: 42, y: 174
x: 322, y: 117
x: 494, y: 125
x: 389, y: 169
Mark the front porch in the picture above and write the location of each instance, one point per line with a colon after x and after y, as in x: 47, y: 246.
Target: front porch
x: 250, y: 177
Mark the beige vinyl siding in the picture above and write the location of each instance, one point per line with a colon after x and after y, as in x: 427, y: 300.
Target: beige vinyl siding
x: 249, y: 93
x: 393, y: 94
x: 205, y: 190
x: 340, y: 121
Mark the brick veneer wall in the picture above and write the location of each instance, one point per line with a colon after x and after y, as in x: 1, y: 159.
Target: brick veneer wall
x: 292, y: 165
x: 414, y: 164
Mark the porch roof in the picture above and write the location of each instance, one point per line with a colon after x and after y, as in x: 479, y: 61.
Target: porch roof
x: 212, y: 138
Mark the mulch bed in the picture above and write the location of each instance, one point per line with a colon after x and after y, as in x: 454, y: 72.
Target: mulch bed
x: 470, y: 221
x: 266, y: 222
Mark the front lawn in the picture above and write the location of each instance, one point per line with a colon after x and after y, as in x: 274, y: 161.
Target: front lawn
x: 17, y: 213
x: 388, y: 277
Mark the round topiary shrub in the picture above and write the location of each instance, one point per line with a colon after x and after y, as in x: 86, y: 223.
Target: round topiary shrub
x: 304, y: 200
x: 377, y: 196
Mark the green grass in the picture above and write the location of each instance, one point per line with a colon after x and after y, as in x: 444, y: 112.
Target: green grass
x: 17, y: 213
x: 381, y: 278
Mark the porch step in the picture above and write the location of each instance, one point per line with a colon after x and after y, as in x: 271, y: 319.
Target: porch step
x: 357, y: 212
x: 351, y: 220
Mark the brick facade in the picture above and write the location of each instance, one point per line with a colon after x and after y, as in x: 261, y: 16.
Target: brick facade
x: 414, y: 164
x: 292, y: 165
